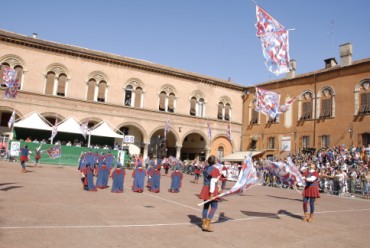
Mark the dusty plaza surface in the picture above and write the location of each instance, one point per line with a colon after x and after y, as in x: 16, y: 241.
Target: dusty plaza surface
x: 47, y: 207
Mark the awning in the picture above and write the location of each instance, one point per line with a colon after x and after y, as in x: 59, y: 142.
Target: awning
x: 240, y: 156
x: 103, y: 129
x: 33, y: 121
x: 69, y: 125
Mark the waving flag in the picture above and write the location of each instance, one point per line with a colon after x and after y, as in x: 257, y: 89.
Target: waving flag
x: 296, y: 172
x: 9, y: 76
x: 228, y: 132
x: 248, y: 177
x: 11, y: 120
x: 54, y: 131
x: 84, y: 128
x: 209, y: 131
x: 285, y: 107
x: 267, y: 102
x: 167, y: 128
x: 10, y: 80
x: 12, y: 90
x: 54, y: 152
x: 288, y: 174
x: 275, y: 42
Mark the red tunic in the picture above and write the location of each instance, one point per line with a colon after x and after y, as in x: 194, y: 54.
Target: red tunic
x: 213, y: 173
x: 312, y: 188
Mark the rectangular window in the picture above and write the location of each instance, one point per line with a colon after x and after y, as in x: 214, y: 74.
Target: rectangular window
x: 326, y: 108
x: 271, y: 143
x: 325, y: 141
x: 254, y: 119
x: 305, y: 141
x: 365, y: 104
x: 307, y: 111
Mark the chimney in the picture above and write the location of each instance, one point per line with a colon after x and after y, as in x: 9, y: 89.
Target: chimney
x: 345, y: 51
x: 293, y: 67
x: 330, y: 62
x: 34, y: 35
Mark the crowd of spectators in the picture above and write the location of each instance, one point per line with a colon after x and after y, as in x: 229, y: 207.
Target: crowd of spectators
x: 343, y: 171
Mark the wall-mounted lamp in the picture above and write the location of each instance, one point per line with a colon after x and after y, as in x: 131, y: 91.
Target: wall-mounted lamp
x: 179, y: 129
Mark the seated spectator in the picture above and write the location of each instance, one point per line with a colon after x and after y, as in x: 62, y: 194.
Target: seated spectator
x: 69, y: 143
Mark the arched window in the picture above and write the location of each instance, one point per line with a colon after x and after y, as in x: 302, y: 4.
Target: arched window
x: 17, y: 64
x: 91, y: 90
x: 3, y: 66
x: 162, y: 101
x: 327, y: 103
x: 306, y: 106
x: 220, y: 152
x: 364, y: 98
x: 97, y: 87
x: 102, y: 91
x: 62, y: 85
x: 198, y: 104
x: 224, y: 108
x: 134, y: 93
x: 50, y: 78
x: 193, y: 103
x: 201, y: 106
x: 56, y: 80
x: 138, y: 96
x: 171, y: 103
x: 227, y: 111
x: 220, y: 109
x: 128, y: 95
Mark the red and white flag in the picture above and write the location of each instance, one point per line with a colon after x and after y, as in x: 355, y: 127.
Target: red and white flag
x: 167, y: 129
x: 54, y: 130
x: 274, y: 40
x: 228, y: 132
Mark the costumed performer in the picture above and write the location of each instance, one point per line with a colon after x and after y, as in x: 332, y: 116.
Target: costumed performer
x: 176, y: 180
x: 24, y: 157
x: 118, y: 176
x: 103, y: 176
x: 310, y: 192
x: 139, y: 176
x: 88, y: 178
x: 210, y: 191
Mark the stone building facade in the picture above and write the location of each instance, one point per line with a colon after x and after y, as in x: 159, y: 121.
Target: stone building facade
x: 135, y: 97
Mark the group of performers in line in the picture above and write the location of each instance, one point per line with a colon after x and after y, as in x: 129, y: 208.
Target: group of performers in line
x: 103, y: 168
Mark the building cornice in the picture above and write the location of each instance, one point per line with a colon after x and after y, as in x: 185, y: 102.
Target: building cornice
x: 112, y: 59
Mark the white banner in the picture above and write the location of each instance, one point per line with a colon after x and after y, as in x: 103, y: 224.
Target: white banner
x: 286, y: 144
x: 14, y: 148
x: 129, y: 139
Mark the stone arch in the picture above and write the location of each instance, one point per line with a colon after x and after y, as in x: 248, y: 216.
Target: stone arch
x: 13, y: 60
x: 138, y: 126
x: 168, y: 88
x: 58, y: 69
x: 98, y: 76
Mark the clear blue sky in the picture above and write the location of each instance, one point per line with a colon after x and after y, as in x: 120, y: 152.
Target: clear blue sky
x: 211, y: 37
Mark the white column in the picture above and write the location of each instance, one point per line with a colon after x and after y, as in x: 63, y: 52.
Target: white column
x: 178, y: 151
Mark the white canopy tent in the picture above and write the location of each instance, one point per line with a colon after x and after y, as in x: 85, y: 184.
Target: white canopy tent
x: 240, y: 156
x: 33, y: 121
x: 69, y: 125
x: 103, y: 129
